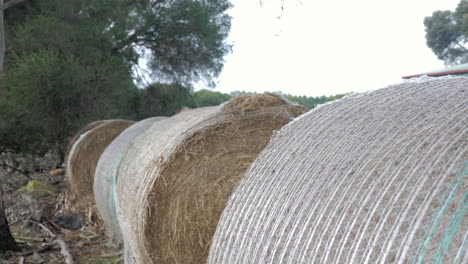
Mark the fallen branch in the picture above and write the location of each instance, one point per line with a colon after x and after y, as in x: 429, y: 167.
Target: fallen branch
x: 46, y: 246
x: 28, y: 238
x: 64, y: 250
x: 57, y: 240
x: 91, y: 237
x: 63, y: 230
x: 52, y: 235
x: 111, y: 254
x: 15, y: 169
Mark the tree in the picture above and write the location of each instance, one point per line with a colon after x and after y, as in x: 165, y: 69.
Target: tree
x: 447, y: 34
x: 51, y: 95
x: 161, y: 99
x: 7, y: 242
x: 311, y: 101
x: 205, y: 97
x: 181, y: 40
x: 51, y: 88
x: 186, y: 39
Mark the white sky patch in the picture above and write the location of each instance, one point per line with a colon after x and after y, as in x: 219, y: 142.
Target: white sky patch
x: 323, y: 47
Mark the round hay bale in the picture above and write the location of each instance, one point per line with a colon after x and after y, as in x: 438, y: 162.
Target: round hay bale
x: 81, y: 132
x: 84, y: 155
x: 379, y: 177
x: 253, y: 102
x: 105, y: 179
x: 179, y: 175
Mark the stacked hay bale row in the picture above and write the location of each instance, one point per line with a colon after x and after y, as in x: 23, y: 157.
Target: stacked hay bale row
x: 379, y: 177
x: 173, y: 182
x: 161, y: 185
x: 376, y: 177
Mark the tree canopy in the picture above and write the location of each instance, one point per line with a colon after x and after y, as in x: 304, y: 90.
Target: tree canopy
x: 182, y: 40
x: 447, y: 34
x: 72, y: 62
x: 205, y: 97
x: 159, y: 99
x: 50, y: 95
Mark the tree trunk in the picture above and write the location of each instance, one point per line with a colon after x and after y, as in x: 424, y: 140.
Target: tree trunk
x: 2, y: 39
x: 7, y: 242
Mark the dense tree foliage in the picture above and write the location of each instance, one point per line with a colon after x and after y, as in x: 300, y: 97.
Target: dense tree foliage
x: 72, y: 62
x: 183, y: 40
x: 162, y: 100
x: 50, y: 95
x: 311, y: 102
x: 205, y: 97
x: 447, y: 34
x: 167, y: 99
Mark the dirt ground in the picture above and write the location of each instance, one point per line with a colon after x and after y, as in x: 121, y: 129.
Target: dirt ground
x: 33, y: 222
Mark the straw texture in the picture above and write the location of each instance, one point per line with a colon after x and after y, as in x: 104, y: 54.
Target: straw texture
x: 82, y: 160
x: 379, y: 177
x: 106, y: 169
x: 173, y: 183
x: 81, y: 132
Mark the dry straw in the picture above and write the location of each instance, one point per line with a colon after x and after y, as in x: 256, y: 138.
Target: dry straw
x: 379, y: 177
x: 83, y: 157
x: 173, y: 183
x: 81, y: 132
x: 105, y: 176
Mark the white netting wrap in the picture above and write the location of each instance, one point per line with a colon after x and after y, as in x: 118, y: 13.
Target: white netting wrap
x: 378, y: 177
x: 105, y: 177
x: 85, y: 149
x: 135, y: 174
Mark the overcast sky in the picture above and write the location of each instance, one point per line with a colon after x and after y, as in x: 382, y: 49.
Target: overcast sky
x: 325, y: 47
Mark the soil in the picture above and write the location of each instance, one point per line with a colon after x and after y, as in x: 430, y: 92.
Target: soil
x: 33, y: 223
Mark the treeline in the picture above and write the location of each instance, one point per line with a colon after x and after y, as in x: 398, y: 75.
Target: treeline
x: 33, y: 120
x: 311, y: 102
x: 168, y: 99
x: 307, y: 101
